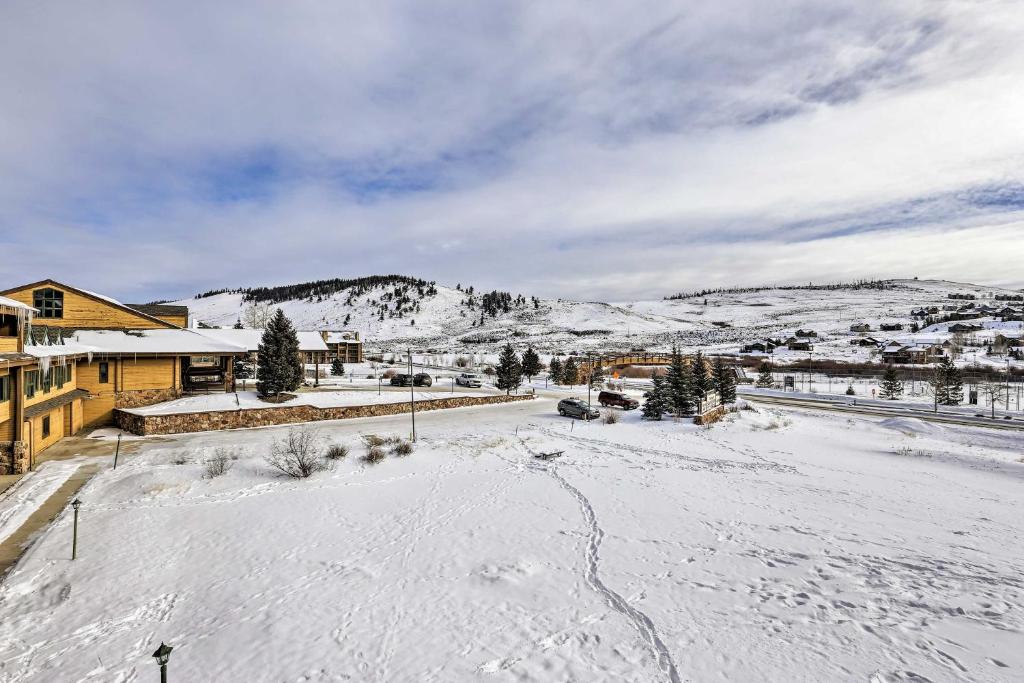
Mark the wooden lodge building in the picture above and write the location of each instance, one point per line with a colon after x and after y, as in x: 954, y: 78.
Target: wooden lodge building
x: 69, y: 357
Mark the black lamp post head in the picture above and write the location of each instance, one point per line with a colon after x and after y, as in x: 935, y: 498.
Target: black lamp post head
x: 162, y: 654
x: 76, y: 503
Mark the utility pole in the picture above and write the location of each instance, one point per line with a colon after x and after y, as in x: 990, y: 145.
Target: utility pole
x: 412, y: 397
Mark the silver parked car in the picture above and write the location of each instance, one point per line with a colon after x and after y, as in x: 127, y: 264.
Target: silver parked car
x: 574, y: 407
x: 468, y: 379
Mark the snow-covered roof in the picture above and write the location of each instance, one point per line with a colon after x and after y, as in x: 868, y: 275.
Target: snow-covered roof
x: 309, y: 340
x: 337, y: 337
x: 68, y: 348
x: 153, y: 341
x: 101, y: 296
x: 11, y: 303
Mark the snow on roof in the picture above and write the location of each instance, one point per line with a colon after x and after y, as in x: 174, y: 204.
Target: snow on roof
x: 68, y: 348
x: 101, y: 296
x: 309, y: 340
x: 153, y: 341
x: 11, y: 303
x: 337, y: 337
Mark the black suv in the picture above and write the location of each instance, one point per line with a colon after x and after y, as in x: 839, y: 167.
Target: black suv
x: 402, y: 381
x: 614, y: 398
x: 422, y: 379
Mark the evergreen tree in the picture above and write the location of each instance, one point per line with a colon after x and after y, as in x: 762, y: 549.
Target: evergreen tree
x: 242, y: 368
x: 597, y: 373
x: 679, y: 381
x: 952, y: 383
x: 280, y: 365
x: 337, y: 367
x: 892, y: 386
x: 724, y: 382
x: 764, y: 377
x: 510, y: 370
x: 656, y: 402
x: 238, y: 325
x: 531, y: 363
x: 555, y: 370
x: 570, y: 371
x: 702, y: 381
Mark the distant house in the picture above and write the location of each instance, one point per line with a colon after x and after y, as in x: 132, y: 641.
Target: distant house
x: 949, y: 308
x: 891, y: 327
x: 964, y: 327
x: 911, y: 354
x: 918, y: 313
x: 1002, y: 342
x: 865, y: 341
x: 860, y: 327
x: 807, y: 334
x: 932, y: 310
x: 794, y: 344
x: 1007, y: 312
x: 758, y: 347
x: 343, y: 344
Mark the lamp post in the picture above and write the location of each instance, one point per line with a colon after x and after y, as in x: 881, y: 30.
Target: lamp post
x: 412, y: 397
x: 74, y: 536
x: 162, y: 655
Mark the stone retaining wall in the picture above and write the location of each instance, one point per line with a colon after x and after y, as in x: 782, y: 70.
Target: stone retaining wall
x: 179, y: 423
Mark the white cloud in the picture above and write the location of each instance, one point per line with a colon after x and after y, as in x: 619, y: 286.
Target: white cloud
x: 589, y: 149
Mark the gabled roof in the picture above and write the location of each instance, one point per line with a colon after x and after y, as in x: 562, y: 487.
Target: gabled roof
x: 95, y: 297
x: 172, y: 342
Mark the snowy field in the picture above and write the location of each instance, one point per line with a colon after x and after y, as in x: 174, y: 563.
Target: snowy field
x: 778, y: 545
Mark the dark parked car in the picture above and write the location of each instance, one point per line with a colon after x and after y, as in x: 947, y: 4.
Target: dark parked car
x: 573, y: 407
x: 402, y: 381
x: 422, y: 379
x: 614, y: 398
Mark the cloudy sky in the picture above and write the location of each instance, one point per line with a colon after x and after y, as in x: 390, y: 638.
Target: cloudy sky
x: 582, y: 149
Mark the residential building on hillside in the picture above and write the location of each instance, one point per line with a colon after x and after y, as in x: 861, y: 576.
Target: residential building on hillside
x: 343, y: 344
x: 312, y: 346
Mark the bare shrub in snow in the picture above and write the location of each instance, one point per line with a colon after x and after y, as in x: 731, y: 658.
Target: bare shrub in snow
x: 388, y: 374
x: 462, y: 362
x: 297, y: 455
x: 180, y: 460
x: 220, y: 463
x: 337, y: 451
x: 904, y: 450
x: 403, y: 447
x: 611, y: 417
x: 374, y: 454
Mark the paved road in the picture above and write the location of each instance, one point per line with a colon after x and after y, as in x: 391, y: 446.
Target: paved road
x: 918, y: 412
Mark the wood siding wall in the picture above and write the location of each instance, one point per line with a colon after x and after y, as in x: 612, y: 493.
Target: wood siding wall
x: 84, y: 312
x: 54, y: 391
x: 125, y: 375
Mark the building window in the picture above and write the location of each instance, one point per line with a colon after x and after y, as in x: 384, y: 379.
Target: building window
x: 31, y: 383
x: 104, y: 373
x: 61, y: 375
x: 5, y: 389
x: 50, y: 302
x: 47, y: 378
x: 46, y: 426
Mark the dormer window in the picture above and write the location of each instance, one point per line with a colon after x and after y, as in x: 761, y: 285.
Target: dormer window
x: 49, y: 302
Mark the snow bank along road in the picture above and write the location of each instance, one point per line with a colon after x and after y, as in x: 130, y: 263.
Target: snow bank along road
x: 778, y: 545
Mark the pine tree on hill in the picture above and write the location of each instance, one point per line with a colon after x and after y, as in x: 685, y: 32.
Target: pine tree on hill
x: 656, y: 402
x: 555, y: 370
x: 570, y: 371
x: 679, y: 381
x: 892, y: 386
x: 280, y: 366
x: 337, y: 367
x: 724, y: 382
x: 764, y: 377
x: 531, y: 363
x: 509, y: 371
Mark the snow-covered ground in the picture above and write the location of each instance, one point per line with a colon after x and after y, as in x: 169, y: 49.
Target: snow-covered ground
x: 21, y: 500
x: 778, y: 545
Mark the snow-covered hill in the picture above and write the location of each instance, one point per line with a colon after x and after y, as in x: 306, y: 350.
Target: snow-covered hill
x: 443, y: 319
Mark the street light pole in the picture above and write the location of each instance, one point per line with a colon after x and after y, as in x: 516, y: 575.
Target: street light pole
x: 162, y: 656
x: 412, y: 397
x: 75, y: 504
